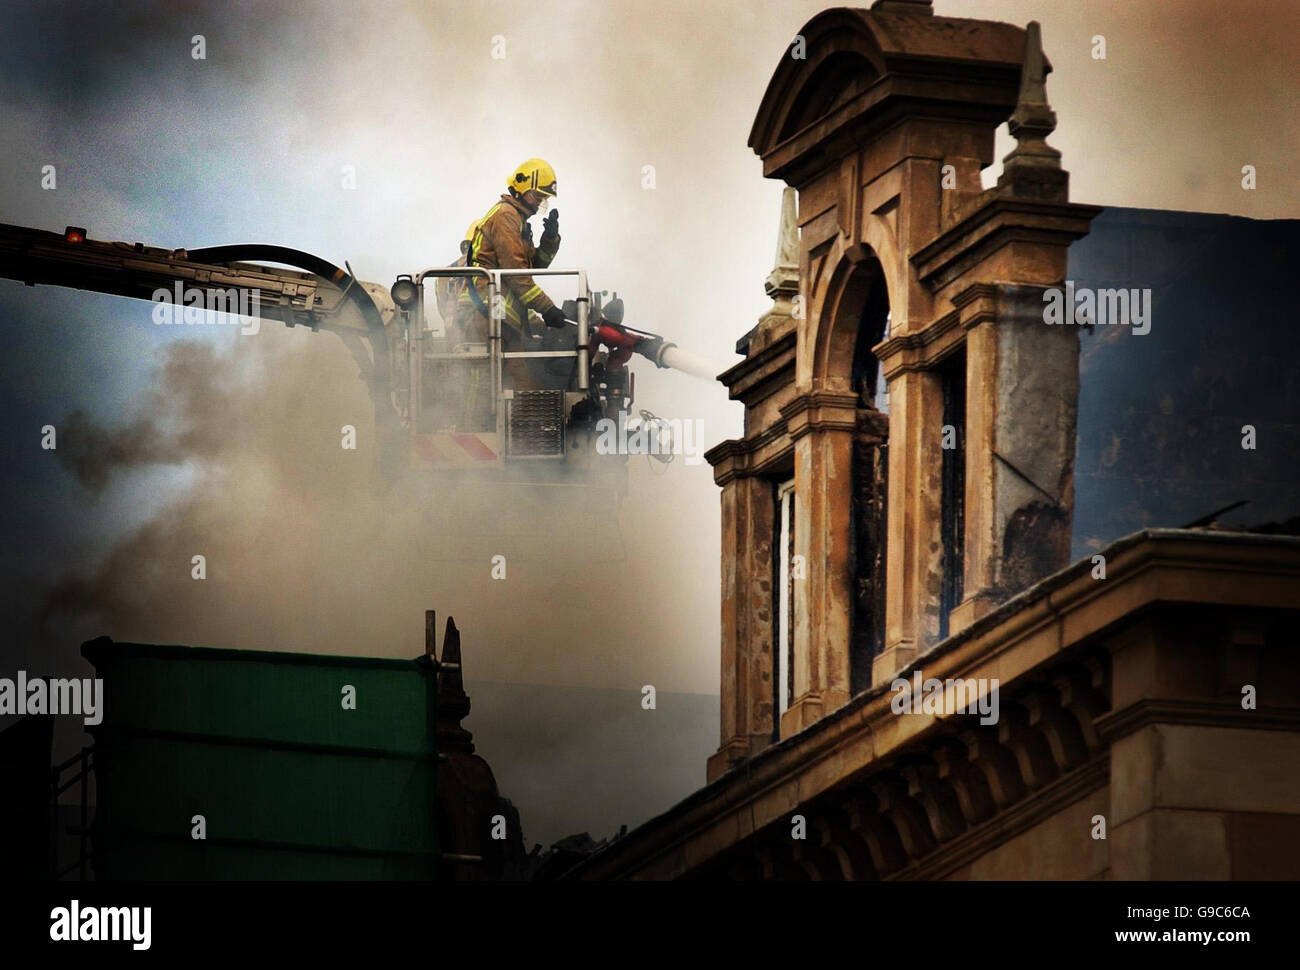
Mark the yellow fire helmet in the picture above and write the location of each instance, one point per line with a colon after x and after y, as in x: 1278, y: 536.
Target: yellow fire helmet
x: 533, y: 174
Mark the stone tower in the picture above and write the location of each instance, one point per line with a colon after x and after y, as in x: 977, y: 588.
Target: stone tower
x: 909, y: 434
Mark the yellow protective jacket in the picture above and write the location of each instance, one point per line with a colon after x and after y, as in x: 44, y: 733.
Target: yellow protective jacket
x: 502, y: 239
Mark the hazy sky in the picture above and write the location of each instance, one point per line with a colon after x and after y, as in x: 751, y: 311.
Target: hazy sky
x: 249, y: 144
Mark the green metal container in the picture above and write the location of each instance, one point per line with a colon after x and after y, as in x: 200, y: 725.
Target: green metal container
x: 290, y: 784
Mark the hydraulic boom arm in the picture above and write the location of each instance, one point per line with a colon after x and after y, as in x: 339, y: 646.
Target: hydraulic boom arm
x: 320, y: 296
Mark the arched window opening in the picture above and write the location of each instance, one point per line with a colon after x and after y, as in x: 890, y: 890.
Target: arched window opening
x: 870, y: 492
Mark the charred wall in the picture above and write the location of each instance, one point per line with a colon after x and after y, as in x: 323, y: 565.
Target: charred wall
x: 1161, y: 414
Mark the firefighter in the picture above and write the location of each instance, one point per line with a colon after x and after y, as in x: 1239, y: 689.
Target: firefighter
x: 503, y: 239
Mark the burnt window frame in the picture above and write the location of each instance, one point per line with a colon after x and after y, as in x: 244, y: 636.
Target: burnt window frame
x: 867, y: 378
x: 783, y: 554
x: 951, y: 375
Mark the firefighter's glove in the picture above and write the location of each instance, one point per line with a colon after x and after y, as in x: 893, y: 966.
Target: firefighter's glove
x: 551, y: 228
x: 554, y: 317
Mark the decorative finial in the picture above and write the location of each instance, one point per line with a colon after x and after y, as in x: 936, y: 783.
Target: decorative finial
x: 782, y: 284
x: 1033, y: 164
x: 783, y: 281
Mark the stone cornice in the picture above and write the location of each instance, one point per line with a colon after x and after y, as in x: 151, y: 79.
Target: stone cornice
x: 1018, y: 642
x: 917, y: 349
x: 977, y: 304
x: 920, y: 349
x: 974, y: 292
x: 1194, y: 713
x: 821, y: 411
x: 991, y: 226
x: 756, y: 377
x: 729, y: 459
x: 739, y: 457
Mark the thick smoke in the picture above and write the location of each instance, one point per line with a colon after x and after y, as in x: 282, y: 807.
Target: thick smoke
x: 309, y: 547
x: 304, y: 550
x: 180, y: 419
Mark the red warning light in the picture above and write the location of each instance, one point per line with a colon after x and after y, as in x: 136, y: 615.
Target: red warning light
x: 74, y: 234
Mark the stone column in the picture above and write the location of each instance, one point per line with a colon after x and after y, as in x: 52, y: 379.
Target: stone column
x: 748, y: 510
x: 913, y: 570
x: 981, y: 554
x: 822, y: 424
x: 1022, y: 385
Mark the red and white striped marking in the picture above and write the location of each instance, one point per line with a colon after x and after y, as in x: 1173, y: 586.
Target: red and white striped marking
x: 452, y: 450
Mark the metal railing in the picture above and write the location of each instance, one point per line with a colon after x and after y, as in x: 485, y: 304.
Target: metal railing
x: 495, y: 354
x: 83, y: 764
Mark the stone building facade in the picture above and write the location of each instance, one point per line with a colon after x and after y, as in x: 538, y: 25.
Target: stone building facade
x: 900, y: 505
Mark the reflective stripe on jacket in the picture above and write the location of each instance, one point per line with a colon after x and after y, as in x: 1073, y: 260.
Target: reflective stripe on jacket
x: 503, y: 240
